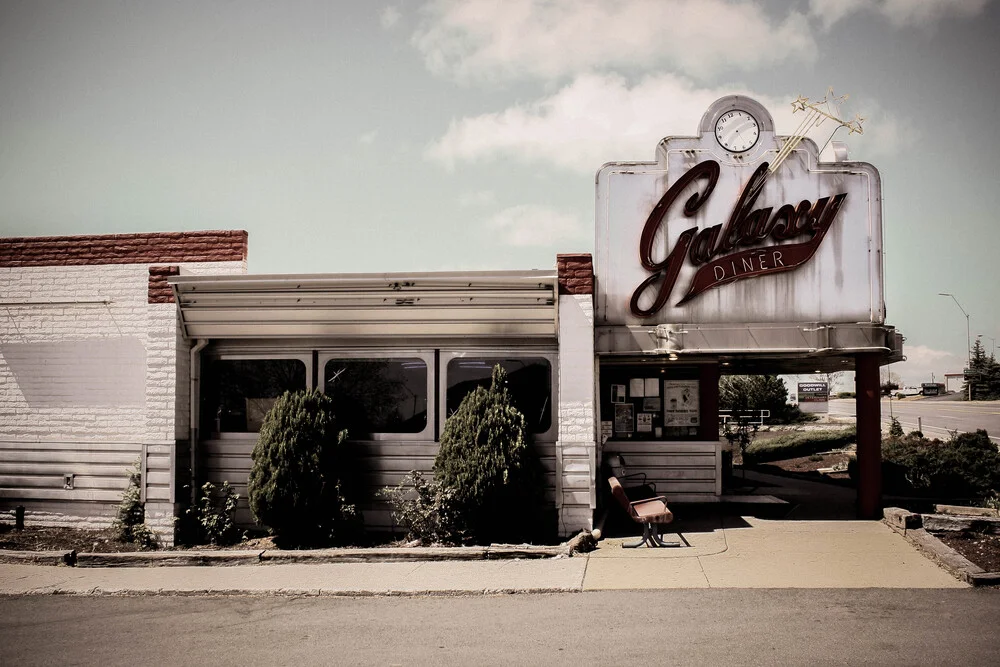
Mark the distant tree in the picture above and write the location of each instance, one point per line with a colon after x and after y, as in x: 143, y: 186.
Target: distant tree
x: 985, y: 374
x: 752, y: 393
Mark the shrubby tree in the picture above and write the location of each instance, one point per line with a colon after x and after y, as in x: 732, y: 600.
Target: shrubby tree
x: 296, y: 482
x: 488, y: 466
x: 743, y: 393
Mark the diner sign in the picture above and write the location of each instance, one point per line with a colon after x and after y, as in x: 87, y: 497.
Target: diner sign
x: 707, y: 235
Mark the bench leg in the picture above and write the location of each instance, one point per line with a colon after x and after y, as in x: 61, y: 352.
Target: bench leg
x: 656, y: 536
x: 646, y: 539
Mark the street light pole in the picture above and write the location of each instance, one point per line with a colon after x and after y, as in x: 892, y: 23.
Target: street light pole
x: 968, y: 336
x: 994, y: 343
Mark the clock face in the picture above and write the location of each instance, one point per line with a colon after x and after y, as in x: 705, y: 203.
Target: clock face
x: 737, y: 131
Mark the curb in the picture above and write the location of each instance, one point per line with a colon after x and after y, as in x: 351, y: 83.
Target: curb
x: 221, y: 558
x: 911, y: 527
x: 38, y: 557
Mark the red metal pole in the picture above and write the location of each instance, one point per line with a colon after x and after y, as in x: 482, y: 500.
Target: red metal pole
x: 869, y: 436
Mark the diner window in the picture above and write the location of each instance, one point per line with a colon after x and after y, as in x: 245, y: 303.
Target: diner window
x: 237, y: 393
x: 378, y: 395
x: 529, y: 379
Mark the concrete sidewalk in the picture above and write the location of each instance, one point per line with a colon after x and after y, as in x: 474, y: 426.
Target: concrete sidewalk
x: 728, y: 552
x: 756, y: 553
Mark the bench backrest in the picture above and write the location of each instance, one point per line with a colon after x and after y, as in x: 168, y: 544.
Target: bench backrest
x: 618, y: 491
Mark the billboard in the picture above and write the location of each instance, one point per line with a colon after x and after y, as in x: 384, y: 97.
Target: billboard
x: 813, y: 392
x: 722, y: 229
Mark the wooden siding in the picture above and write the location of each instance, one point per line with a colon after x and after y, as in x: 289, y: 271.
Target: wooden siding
x: 31, y: 474
x: 688, y: 470
x: 380, y: 464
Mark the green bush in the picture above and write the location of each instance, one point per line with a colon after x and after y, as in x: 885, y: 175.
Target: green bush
x: 295, y: 485
x: 965, y: 466
x: 129, y: 524
x: 488, y: 464
x: 424, y: 509
x: 895, y: 428
x: 215, y: 514
x: 800, y: 443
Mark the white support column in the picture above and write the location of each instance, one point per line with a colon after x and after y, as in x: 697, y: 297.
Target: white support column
x: 576, y: 448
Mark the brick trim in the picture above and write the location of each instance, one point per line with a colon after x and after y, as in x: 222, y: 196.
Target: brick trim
x: 576, y: 273
x: 150, y: 248
x: 159, y: 288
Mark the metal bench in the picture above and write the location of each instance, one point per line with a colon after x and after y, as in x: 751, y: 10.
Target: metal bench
x: 651, y: 513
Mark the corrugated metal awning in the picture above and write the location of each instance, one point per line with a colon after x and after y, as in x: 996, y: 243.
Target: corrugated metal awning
x: 496, y: 304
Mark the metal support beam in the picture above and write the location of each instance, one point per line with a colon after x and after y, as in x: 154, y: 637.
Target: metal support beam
x: 868, y: 410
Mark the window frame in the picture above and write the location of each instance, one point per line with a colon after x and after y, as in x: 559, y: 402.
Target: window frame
x: 426, y: 356
x: 447, y: 356
x: 306, y: 360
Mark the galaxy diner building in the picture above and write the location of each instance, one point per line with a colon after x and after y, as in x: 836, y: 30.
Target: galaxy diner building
x: 734, y: 252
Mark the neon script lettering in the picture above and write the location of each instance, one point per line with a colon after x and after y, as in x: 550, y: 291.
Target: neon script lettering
x: 716, y: 249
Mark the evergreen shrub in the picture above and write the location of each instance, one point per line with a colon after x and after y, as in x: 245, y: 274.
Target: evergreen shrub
x: 487, y: 463
x: 296, y: 482
x: 966, y: 466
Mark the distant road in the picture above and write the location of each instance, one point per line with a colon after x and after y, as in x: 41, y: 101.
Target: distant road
x: 939, y: 416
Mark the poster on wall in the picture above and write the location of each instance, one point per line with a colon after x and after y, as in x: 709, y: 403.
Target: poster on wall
x: 644, y: 423
x: 617, y: 393
x: 606, y: 431
x: 680, y: 403
x: 651, y: 404
x: 637, y: 387
x: 652, y: 387
x: 623, y: 418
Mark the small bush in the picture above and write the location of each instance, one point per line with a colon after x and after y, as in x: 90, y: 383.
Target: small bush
x: 487, y: 463
x: 295, y: 485
x: 967, y: 465
x: 424, y: 509
x: 129, y: 524
x: 895, y: 428
x: 215, y: 514
x: 800, y: 443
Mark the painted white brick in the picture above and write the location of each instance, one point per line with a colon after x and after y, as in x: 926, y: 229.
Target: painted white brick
x: 50, y: 394
x: 576, y: 447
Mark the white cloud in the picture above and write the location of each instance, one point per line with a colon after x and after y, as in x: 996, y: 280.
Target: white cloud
x: 900, y: 13
x: 528, y: 225
x: 476, y: 39
x: 921, y: 361
x: 477, y: 198
x: 368, y: 137
x: 600, y: 118
x: 389, y: 17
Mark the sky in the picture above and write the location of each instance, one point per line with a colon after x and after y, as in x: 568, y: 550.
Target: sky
x: 465, y: 134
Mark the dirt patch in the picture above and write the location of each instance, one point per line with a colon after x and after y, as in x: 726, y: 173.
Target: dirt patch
x: 810, y: 464
x: 81, y: 540
x: 38, y: 538
x: 983, y: 550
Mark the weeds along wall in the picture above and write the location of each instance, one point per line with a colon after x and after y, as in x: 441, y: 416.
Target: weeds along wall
x: 93, y: 370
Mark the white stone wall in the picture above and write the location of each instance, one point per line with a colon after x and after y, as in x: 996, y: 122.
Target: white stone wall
x: 576, y: 448
x: 86, y: 361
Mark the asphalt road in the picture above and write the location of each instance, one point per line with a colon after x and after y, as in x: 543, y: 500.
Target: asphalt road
x: 939, y: 416
x: 687, y: 627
